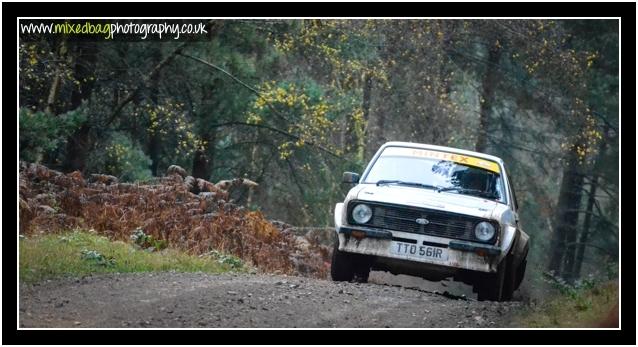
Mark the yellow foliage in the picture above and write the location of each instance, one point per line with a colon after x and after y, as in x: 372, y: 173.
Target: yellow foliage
x: 170, y: 117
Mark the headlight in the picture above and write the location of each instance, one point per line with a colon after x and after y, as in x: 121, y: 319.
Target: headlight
x: 361, y: 213
x: 484, y: 231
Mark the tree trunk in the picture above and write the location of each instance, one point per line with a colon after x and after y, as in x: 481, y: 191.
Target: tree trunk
x: 86, y: 54
x: 380, y: 101
x: 254, y: 161
x: 584, y: 235
x: 566, y: 217
x: 367, y: 90
x: 79, y: 142
x: 153, y: 145
x: 200, y: 165
x: 57, y: 78
x: 153, y: 151
x: 591, y: 200
x: 203, y: 159
x: 77, y: 149
x: 351, y: 142
x: 349, y: 136
x: 490, y: 79
x: 376, y: 120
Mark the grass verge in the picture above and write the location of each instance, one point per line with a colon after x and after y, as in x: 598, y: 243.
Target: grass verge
x: 81, y: 253
x: 581, y: 308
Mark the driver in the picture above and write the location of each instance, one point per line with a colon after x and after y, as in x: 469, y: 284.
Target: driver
x: 473, y: 180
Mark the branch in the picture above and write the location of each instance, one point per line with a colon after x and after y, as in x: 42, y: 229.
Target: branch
x: 590, y: 245
x: 599, y: 186
x: 281, y: 132
x: 602, y: 117
x: 242, y: 83
x: 145, y: 82
x: 294, y: 176
x: 270, y: 106
x: 510, y: 75
x: 613, y: 195
x: 499, y: 141
x: 223, y: 71
x: 597, y: 205
x: 594, y: 215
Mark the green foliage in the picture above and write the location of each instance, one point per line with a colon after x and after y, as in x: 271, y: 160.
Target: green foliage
x: 573, y: 290
x: 39, y: 65
x: 304, y: 108
x: 170, y: 124
x: 97, y: 258
x: 611, y: 270
x: 42, y: 133
x: 226, y: 259
x: 122, y: 157
x: 80, y: 253
x: 581, y: 306
x: 147, y: 242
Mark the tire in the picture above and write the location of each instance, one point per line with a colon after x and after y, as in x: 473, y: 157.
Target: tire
x: 520, y: 274
x: 348, y: 266
x: 342, y: 266
x: 499, y: 286
x: 362, y: 270
x: 509, y: 284
x: 513, y: 277
x: 490, y: 286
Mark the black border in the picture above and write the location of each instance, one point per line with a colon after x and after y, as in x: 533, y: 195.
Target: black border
x: 626, y: 335
x: 317, y: 9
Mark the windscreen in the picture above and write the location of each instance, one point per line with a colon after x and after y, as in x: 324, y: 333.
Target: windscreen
x: 442, y: 171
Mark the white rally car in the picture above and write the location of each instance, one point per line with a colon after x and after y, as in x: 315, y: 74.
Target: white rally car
x: 434, y: 212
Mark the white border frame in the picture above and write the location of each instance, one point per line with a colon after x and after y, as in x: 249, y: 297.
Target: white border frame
x: 329, y: 18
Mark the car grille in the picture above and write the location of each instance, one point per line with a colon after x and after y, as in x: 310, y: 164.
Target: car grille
x: 442, y: 224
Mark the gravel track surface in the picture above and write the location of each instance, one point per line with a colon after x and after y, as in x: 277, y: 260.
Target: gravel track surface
x: 196, y: 300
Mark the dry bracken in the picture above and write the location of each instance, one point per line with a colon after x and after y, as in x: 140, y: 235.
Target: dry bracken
x: 52, y: 202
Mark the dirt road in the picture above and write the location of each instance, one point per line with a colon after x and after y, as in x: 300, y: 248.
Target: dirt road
x: 198, y: 300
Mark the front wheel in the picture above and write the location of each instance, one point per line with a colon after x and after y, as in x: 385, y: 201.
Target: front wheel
x: 342, y: 268
x: 520, y: 272
x: 509, y: 283
x: 498, y: 286
x: 348, y: 266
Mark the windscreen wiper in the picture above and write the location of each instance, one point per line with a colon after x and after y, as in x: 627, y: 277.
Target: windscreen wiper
x: 469, y: 191
x: 404, y: 183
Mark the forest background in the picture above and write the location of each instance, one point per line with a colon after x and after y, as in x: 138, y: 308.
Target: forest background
x: 291, y: 104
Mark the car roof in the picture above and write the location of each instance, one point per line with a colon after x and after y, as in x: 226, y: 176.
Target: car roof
x: 443, y: 148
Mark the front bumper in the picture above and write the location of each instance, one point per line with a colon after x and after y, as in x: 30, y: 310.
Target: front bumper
x: 461, y: 254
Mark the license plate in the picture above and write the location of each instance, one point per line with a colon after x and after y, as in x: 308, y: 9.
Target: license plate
x: 419, y: 251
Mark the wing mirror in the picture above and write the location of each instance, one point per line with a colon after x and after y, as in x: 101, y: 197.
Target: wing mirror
x: 350, y: 177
